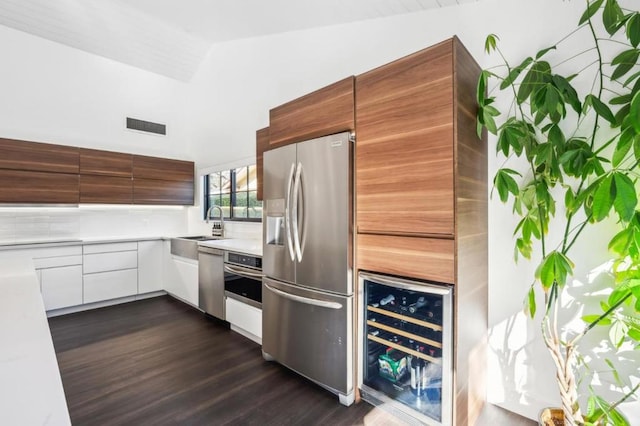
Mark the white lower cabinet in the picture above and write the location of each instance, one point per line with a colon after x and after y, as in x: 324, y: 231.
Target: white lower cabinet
x: 150, y: 260
x: 110, y: 285
x: 244, y: 317
x: 185, y: 279
x: 61, y: 287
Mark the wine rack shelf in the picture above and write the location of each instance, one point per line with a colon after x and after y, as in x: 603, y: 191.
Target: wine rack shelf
x: 403, y: 349
x: 406, y: 318
x: 405, y: 334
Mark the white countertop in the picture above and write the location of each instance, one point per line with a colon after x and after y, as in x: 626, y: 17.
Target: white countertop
x: 31, y: 389
x: 239, y: 245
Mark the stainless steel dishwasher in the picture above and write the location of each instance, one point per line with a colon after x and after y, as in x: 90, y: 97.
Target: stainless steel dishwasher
x: 211, y: 281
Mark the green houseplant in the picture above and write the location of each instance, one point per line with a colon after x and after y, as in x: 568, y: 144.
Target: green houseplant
x: 577, y: 157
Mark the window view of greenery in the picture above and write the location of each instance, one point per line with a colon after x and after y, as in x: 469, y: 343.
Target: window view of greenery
x: 235, y: 191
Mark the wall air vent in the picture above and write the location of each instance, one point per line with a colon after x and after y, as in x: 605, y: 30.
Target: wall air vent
x: 146, y: 126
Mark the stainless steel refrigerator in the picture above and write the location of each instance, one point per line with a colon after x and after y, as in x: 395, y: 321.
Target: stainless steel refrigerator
x: 307, y: 292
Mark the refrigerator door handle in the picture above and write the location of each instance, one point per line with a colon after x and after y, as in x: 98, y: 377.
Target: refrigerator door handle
x: 287, y: 212
x: 296, y: 199
x: 306, y: 300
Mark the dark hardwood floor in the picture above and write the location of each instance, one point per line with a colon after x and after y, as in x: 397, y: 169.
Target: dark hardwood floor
x: 160, y: 362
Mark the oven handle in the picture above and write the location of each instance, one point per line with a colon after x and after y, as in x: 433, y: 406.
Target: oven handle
x: 243, y: 272
x: 306, y: 300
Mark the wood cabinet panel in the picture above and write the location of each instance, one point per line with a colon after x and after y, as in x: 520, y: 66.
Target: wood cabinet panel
x: 262, y: 144
x: 162, y: 168
x: 43, y: 157
x: 106, y: 189
x: 96, y: 162
x: 405, y: 149
x: 407, y: 187
x: 323, y: 112
x: 18, y: 186
x: 424, y: 258
x: 153, y: 191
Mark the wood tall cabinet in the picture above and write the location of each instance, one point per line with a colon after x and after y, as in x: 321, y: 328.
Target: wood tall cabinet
x: 323, y: 112
x: 32, y: 172
x: 105, y: 177
x: 162, y: 181
x: 262, y: 145
x: 421, y: 193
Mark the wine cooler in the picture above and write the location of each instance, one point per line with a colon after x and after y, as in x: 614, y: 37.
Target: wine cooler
x: 405, y: 354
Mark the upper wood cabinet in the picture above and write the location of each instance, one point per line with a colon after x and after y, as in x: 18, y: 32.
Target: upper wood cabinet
x: 262, y: 144
x: 155, y: 191
x: 162, y: 181
x: 323, y: 112
x: 38, y: 173
x: 41, y: 157
x: 162, y: 168
x: 105, y: 177
x: 405, y: 147
x: 27, y: 186
x: 106, y: 163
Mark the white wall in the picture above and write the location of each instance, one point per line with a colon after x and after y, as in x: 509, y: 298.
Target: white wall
x: 240, y: 81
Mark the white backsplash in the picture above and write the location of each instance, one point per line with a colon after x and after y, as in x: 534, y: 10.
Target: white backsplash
x: 245, y: 230
x: 33, y: 223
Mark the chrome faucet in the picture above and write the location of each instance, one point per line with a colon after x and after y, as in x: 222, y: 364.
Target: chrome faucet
x: 217, y: 230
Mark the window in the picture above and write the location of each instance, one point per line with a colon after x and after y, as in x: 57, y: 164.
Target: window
x: 235, y: 191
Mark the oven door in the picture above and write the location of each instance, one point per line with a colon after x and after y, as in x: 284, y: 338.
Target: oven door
x: 243, y: 284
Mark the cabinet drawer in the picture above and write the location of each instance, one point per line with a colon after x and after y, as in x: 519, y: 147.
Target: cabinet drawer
x: 244, y: 316
x: 102, y: 262
x: 56, y: 262
x: 110, y: 285
x: 109, y: 247
x: 423, y: 258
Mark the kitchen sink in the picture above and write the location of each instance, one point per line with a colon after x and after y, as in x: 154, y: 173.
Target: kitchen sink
x: 188, y: 246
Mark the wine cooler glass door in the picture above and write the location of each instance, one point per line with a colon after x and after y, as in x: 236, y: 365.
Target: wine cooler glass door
x: 406, y: 347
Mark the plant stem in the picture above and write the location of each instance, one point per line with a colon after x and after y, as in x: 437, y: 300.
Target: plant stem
x: 600, y: 318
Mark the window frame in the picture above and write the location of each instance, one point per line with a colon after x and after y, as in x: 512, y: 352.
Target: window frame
x: 232, y: 195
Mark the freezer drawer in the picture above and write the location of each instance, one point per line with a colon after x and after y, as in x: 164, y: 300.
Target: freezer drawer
x: 311, y: 333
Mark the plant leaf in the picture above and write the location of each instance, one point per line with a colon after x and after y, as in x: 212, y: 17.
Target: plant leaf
x: 620, y: 242
x: 591, y: 10
x: 633, y: 29
x: 625, y: 61
x: 505, y: 183
x: 601, y: 108
x: 622, y: 147
x: 634, y: 112
x: 603, y: 199
x: 625, y: 200
x: 611, y: 16
x: 514, y: 73
x: 532, y: 302
x: 617, y: 332
x: 490, y: 43
x: 620, y: 100
x: 542, y: 52
x: 590, y: 319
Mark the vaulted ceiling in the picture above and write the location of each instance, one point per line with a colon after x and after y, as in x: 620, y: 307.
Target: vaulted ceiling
x: 171, y: 37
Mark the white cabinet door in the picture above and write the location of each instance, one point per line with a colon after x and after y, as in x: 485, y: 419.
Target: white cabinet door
x: 110, y: 285
x: 185, y: 284
x: 244, y: 316
x: 61, y: 287
x: 150, y: 266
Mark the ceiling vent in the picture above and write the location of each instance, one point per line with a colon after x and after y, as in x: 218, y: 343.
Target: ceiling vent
x: 146, y: 126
